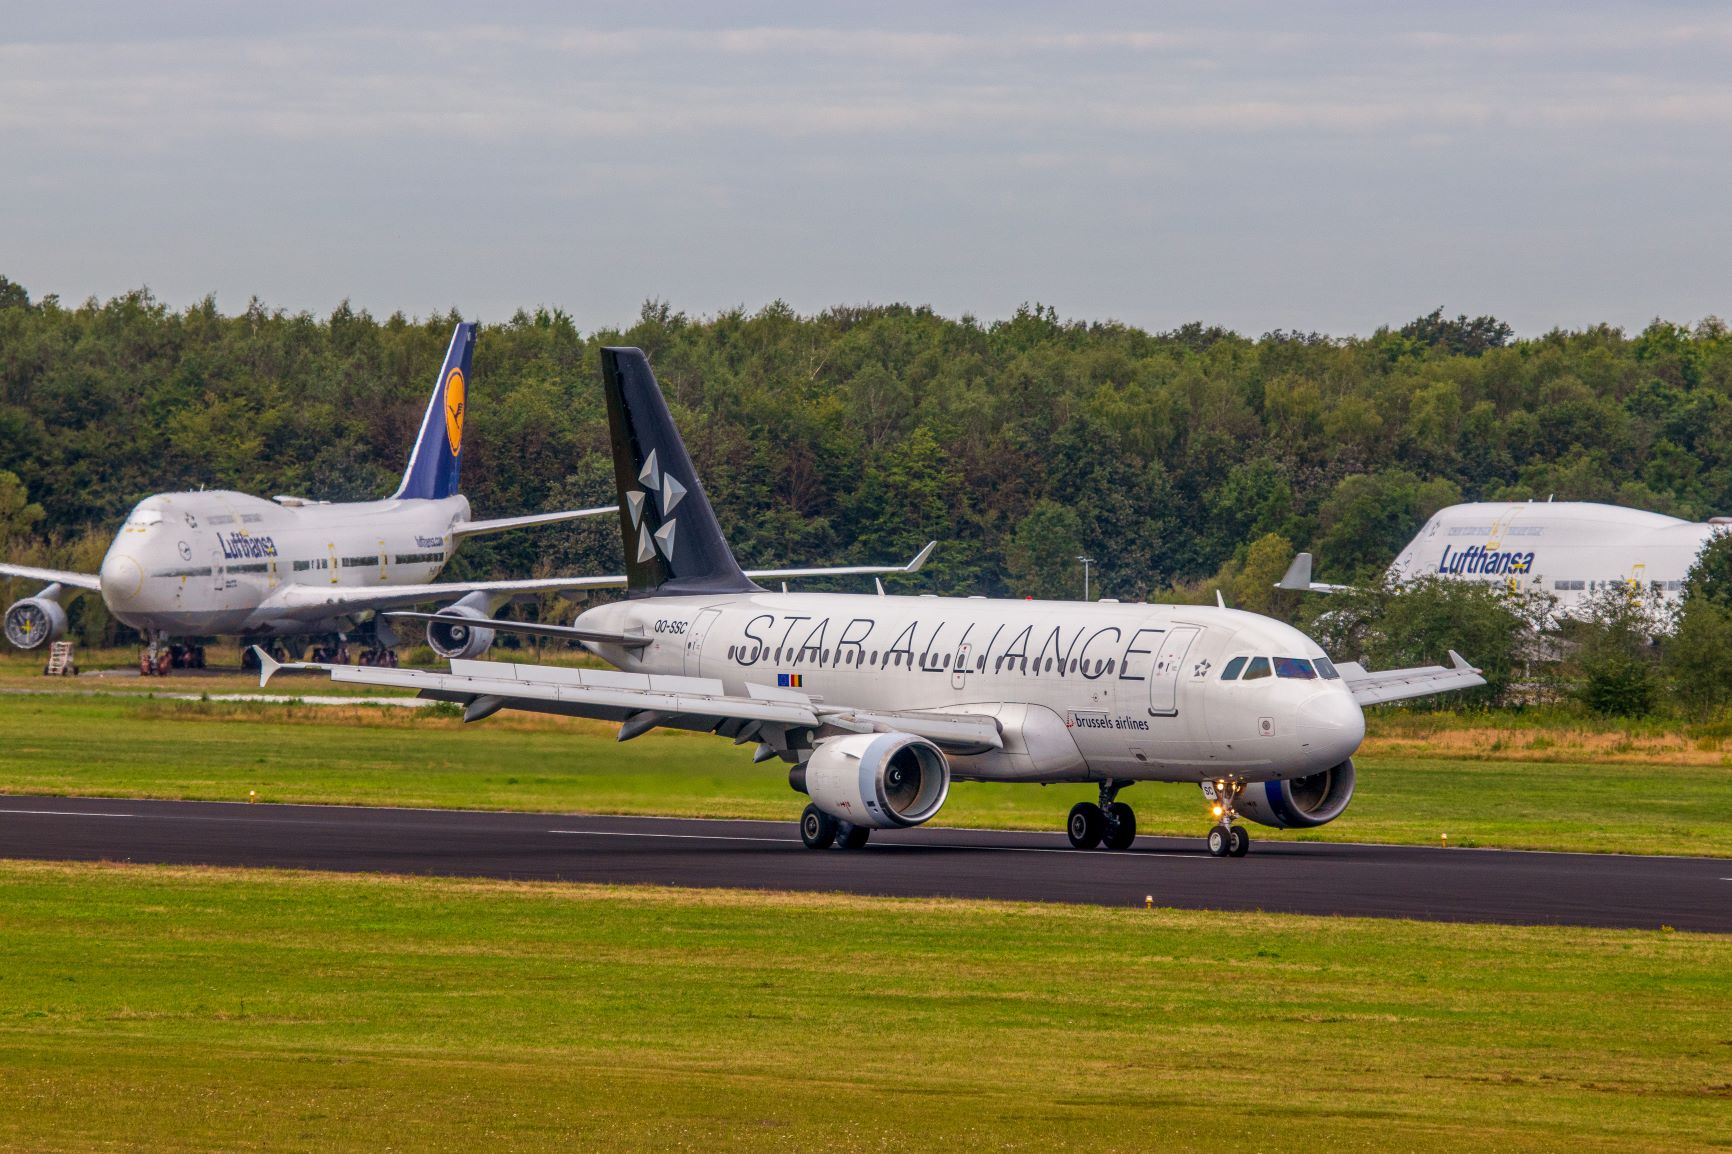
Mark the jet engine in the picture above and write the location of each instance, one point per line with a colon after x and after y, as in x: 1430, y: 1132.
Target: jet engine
x: 459, y: 637
x: 35, y: 621
x: 876, y: 780
x: 1301, y: 802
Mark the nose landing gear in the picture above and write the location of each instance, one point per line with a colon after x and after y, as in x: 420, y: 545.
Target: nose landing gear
x: 1110, y: 823
x: 1226, y: 839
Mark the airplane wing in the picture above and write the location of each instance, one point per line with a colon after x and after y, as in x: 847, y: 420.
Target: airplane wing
x: 88, y: 581
x: 1402, y: 684
x: 645, y: 700
x: 328, y: 600
x: 1298, y: 577
x: 501, y: 524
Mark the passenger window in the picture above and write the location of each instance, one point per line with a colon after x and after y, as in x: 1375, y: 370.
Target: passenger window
x: 1326, y: 669
x: 1231, y: 673
x: 1296, y: 668
x: 1259, y: 667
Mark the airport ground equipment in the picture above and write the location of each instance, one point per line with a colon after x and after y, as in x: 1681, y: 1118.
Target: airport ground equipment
x: 878, y: 703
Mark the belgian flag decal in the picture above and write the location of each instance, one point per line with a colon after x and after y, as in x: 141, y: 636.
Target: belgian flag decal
x: 788, y: 680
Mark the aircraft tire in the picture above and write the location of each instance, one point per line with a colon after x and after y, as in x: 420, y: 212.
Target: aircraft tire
x: 849, y: 836
x: 817, y: 828
x: 1220, y: 841
x: 1241, y: 842
x: 1121, y: 831
x: 1086, y: 825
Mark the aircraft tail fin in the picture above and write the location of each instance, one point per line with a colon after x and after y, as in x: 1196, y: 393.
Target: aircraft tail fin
x: 673, y: 544
x: 437, y: 457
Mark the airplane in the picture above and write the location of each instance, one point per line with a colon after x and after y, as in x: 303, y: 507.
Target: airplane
x: 878, y: 703
x: 229, y: 564
x: 1569, y: 550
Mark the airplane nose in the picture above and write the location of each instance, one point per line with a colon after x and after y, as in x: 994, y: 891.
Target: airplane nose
x: 122, y: 580
x: 1331, y: 726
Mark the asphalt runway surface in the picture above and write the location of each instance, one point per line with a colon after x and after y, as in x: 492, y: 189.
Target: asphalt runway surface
x: 1310, y: 878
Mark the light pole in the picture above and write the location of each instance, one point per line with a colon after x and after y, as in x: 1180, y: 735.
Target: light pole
x: 1086, y: 562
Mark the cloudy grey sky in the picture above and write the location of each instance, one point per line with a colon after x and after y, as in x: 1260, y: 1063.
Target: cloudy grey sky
x: 1331, y: 166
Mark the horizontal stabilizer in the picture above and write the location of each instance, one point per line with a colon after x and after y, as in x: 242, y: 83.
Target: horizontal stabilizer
x: 500, y: 524
x: 536, y: 629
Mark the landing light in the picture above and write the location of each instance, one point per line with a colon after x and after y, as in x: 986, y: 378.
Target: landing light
x: 1217, y: 811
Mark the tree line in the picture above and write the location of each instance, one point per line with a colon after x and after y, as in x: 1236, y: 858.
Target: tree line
x: 1177, y: 459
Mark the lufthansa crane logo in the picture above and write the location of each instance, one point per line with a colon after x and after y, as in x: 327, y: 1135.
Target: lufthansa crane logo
x: 454, y: 410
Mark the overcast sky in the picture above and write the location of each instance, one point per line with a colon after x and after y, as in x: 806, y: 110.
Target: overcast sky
x: 1259, y: 165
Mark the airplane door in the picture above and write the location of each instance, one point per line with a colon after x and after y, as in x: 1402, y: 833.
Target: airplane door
x: 1164, y: 677
x: 218, y: 575
x: 695, y: 639
x: 959, y: 675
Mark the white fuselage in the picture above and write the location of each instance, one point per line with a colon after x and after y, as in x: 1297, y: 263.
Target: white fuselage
x: 1081, y: 691
x: 1567, y: 549
x: 191, y: 564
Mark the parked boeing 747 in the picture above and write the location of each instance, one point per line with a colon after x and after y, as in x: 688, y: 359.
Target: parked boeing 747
x: 877, y: 703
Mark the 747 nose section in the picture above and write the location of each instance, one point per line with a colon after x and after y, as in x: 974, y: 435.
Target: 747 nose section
x: 1331, y: 726
x: 122, y: 580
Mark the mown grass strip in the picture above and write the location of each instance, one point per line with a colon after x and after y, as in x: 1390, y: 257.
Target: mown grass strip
x: 181, y: 1009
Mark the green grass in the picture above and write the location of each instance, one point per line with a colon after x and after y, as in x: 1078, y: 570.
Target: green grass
x: 176, y: 1009
x: 132, y: 747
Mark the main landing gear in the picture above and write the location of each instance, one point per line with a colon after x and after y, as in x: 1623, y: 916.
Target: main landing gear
x: 1110, y: 823
x: 821, y: 831
x: 1226, y: 839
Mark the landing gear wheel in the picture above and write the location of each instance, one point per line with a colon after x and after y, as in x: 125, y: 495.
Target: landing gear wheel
x: 1086, y: 825
x: 1241, y: 842
x: 817, y: 828
x: 1220, y: 841
x: 852, y: 836
x: 1121, y: 828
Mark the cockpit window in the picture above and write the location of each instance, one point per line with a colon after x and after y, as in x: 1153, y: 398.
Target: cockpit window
x: 1231, y: 673
x: 1296, y: 668
x: 1259, y: 667
x: 1325, y: 669
x: 144, y: 517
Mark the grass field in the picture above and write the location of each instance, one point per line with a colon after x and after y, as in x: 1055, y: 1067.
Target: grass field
x: 175, y: 1009
x: 139, y: 747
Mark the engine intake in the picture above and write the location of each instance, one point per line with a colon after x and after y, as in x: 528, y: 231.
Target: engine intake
x: 878, y: 780
x: 1302, y: 802
x: 460, y: 637
x: 35, y: 621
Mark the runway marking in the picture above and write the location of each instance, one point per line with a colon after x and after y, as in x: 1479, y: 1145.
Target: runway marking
x: 66, y: 813
x: 879, y: 845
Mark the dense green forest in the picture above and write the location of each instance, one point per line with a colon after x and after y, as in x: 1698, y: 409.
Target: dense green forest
x: 857, y: 434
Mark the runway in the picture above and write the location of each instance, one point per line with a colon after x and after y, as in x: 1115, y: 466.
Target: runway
x: 1311, y: 878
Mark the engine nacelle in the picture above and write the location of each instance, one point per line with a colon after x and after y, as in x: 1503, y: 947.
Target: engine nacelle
x: 35, y: 621
x: 460, y: 636
x: 1302, y: 802
x: 878, y: 780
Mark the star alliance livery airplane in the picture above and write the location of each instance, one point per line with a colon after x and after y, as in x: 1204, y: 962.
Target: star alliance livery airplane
x: 878, y: 703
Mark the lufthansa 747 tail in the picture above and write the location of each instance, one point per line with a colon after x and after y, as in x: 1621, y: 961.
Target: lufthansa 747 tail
x: 435, y: 460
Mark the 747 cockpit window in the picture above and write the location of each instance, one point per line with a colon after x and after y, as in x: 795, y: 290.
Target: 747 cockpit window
x: 1326, y: 669
x: 1296, y: 668
x: 1231, y: 673
x: 1259, y: 667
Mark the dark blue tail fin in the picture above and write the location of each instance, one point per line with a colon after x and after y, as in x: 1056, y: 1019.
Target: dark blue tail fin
x: 673, y: 544
x: 438, y: 453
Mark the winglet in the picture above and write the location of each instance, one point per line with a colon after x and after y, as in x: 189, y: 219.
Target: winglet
x: 920, y: 558
x: 1459, y: 663
x: 1298, y: 574
x: 1220, y: 601
x: 267, y: 665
